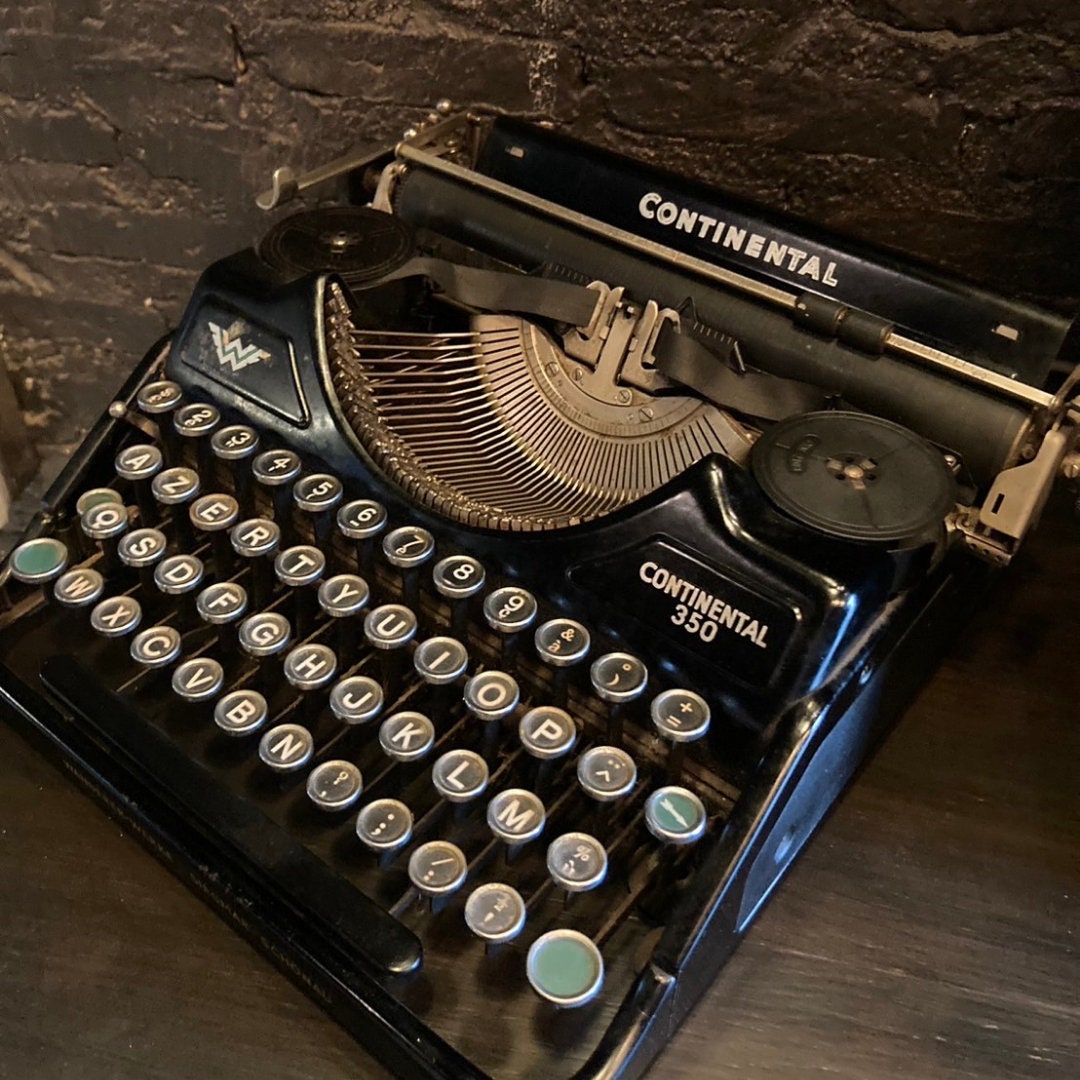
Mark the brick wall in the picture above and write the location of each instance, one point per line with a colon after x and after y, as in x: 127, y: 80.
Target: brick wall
x: 133, y: 134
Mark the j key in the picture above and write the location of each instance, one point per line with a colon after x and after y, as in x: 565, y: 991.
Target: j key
x: 198, y: 679
x: 389, y: 628
x: 341, y: 598
x: 437, y: 870
x: 406, y: 736
x: 176, y: 488
x: 256, y: 541
x: 309, y: 668
x: 139, y: 464
x: 408, y: 548
x: 79, y: 588
x: 40, y: 561
x: 460, y: 776
x: 116, y: 616
x: 606, y: 773
x: 234, y: 446
x: 334, y: 785
x: 318, y: 495
x: 384, y: 826
x: 158, y: 400
x: 515, y: 817
x: 561, y: 643
x: 156, y: 647
x: 440, y: 661
x: 142, y: 550
x: 509, y: 611
x: 495, y: 913
x: 276, y: 470
x: 566, y: 968
x: 356, y: 699
x: 195, y: 422
x: 619, y: 679
x: 300, y: 568
x: 240, y: 712
x: 286, y: 748
x: 675, y: 815
x: 222, y: 605
x: 180, y: 576
x: 105, y: 524
x: 577, y: 862
x: 458, y: 578
x: 679, y: 717
x: 214, y: 515
x: 362, y: 521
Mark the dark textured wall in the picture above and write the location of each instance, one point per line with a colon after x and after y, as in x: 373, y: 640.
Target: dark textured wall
x: 133, y: 133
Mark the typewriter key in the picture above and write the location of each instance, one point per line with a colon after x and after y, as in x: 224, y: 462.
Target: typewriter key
x: 176, y: 488
x: 362, y: 520
x: 221, y: 605
x: 79, y: 588
x: 460, y: 776
x: 309, y: 668
x: 561, y: 643
x: 139, y: 464
x: 438, y: 869
x: 406, y: 736
x: 675, y: 815
x: 241, y: 712
x: 142, y: 550
x: 276, y: 470
x: 300, y: 568
x: 408, y: 548
x: 577, y: 862
x: 491, y: 695
x: 618, y: 678
x: 116, y: 616
x: 606, y: 773
x: 286, y: 748
x: 440, y: 661
x: 384, y: 825
x: 156, y: 400
x: 194, y: 422
x: 334, y: 785
x: 156, y: 646
x: 95, y: 497
x: 509, y: 611
x: 389, y: 628
x: 263, y: 637
x: 105, y: 523
x: 495, y: 913
x: 458, y: 577
x: 180, y: 576
x: 515, y: 817
x: 679, y: 717
x: 40, y: 561
x: 317, y: 495
x: 341, y: 597
x: 257, y: 541
x: 198, y: 679
x: 547, y: 732
x: 356, y: 700
x: 565, y: 967
x: 234, y: 446
x: 215, y: 515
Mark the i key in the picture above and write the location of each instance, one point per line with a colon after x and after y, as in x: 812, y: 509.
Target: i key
x: 215, y: 515
x: 139, y: 464
x: 234, y: 446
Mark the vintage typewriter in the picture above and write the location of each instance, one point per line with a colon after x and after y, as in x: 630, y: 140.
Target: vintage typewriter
x: 483, y: 595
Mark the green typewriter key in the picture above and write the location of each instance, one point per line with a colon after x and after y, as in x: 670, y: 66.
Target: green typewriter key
x: 566, y: 968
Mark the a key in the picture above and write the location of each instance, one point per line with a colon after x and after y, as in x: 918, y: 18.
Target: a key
x: 139, y: 464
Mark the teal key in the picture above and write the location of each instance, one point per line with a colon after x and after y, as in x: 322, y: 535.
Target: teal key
x: 39, y: 561
x: 675, y: 815
x: 566, y: 968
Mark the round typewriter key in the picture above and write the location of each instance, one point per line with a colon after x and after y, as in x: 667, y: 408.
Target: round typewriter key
x: 675, y: 815
x: 264, y: 634
x: 255, y: 538
x: 105, y: 521
x: 221, y: 603
x: 406, y: 736
x: 361, y: 519
x: 547, y: 733
x: 174, y: 486
x: 198, y: 679
x: 156, y: 398
x: 214, y: 513
x: 308, y: 667
x: 95, y: 497
x: 516, y: 816
x: 286, y: 748
x: 178, y: 574
x: 139, y: 462
x: 440, y: 660
x: 38, y: 561
x: 460, y: 776
x: 196, y: 419
x: 334, y: 785
x: 343, y: 595
x: 79, y: 588
x: 384, y: 825
x: 317, y: 492
x: 356, y: 700
x: 408, y: 546
x: 495, y: 913
x: 562, y: 642
x: 577, y: 861
x: 458, y: 577
x: 116, y: 616
x: 606, y: 773
x: 491, y: 695
x: 618, y: 677
x: 390, y: 626
x: 299, y: 566
x: 565, y: 968
x: 241, y: 712
x: 510, y: 609
x: 276, y: 468
x: 156, y: 646
x: 680, y: 716
x: 236, y: 442
x: 142, y: 548
x: 438, y: 868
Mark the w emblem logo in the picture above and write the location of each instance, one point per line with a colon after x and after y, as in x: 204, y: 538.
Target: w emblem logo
x: 232, y: 352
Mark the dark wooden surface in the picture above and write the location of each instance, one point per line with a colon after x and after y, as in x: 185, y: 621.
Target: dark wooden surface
x: 930, y: 930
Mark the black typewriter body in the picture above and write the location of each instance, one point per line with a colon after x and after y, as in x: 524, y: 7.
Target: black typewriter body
x: 810, y: 636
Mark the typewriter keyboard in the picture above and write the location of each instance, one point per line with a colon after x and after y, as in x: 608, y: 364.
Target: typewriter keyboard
x: 489, y: 805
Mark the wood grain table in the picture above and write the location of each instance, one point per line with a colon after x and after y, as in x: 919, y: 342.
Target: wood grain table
x: 930, y: 930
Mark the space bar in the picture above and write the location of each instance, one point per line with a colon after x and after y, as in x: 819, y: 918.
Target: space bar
x: 357, y: 922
